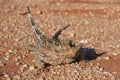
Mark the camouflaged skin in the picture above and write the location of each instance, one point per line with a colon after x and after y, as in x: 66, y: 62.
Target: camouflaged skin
x: 52, y: 51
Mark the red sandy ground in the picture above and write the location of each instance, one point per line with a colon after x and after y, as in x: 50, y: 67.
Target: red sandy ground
x: 96, y: 23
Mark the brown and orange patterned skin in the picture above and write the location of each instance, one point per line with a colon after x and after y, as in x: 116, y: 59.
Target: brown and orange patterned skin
x: 53, y: 52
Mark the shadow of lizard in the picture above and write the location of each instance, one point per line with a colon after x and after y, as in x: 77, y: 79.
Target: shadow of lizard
x: 54, y: 51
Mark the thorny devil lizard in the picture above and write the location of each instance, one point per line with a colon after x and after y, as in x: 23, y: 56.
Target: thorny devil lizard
x: 52, y: 51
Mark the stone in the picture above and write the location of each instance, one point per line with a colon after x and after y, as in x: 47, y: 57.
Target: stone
x: 101, y: 69
x: 1, y: 64
x: 107, y: 58
x: 7, y: 77
x: 23, y: 67
x: 31, y: 68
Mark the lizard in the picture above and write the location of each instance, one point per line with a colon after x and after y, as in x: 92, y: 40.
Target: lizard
x: 53, y: 51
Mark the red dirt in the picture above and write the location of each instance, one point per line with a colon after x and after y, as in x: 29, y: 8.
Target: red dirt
x: 94, y: 23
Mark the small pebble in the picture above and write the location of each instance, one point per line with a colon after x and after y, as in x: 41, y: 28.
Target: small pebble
x: 31, y: 68
x: 1, y: 64
x: 97, y: 67
x: 7, y: 58
x: 101, y: 69
x: 99, y: 58
x: 7, y: 77
x: 107, y: 58
x: 114, y: 72
x: 17, y: 63
x: 17, y: 58
x: 7, y: 53
x: 115, y: 54
x: 17, y: 77
x: 91, y: 64
x: 23, y: 67
x: 10, y: 51
x: 98, y: 64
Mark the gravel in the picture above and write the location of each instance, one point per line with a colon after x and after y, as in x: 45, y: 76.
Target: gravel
x: 31, y: 68
x: 97, y: 26
x: 107, y: 58
x: 23, y: 67
x: 76, y: 72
